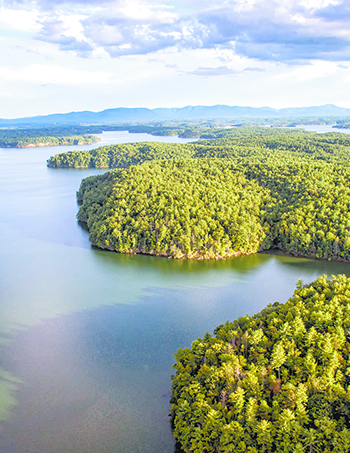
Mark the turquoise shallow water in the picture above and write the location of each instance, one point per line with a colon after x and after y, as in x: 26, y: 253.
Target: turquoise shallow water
x: 87, y: 337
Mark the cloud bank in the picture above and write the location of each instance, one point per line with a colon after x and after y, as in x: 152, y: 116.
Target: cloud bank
x: 291, y: 32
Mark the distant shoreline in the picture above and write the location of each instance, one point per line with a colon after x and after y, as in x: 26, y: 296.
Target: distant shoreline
x: 56, y: 141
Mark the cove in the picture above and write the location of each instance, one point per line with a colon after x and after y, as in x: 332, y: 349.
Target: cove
x: 87, y: 337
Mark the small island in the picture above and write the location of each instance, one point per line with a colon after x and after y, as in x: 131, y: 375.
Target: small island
x: 276, y: 382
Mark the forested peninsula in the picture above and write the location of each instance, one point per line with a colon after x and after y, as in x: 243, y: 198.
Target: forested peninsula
x: 274, y: 382
x: 247, y: 192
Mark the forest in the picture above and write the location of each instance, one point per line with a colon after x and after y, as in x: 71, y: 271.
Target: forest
x: 274, y: 382
x: 243, y: 193
x: 22, y: 137
x: 47, y: 136
x: 195, y: 208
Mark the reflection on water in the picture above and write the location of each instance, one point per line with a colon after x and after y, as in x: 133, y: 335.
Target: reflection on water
x: 88, y: 336
x: 323, y: 128
x: 8, y: 387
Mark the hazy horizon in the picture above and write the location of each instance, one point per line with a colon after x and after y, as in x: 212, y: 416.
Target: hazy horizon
x: 70, y: 55
x: 190, y: 113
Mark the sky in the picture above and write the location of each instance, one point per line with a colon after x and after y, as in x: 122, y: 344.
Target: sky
x: 58, y: 56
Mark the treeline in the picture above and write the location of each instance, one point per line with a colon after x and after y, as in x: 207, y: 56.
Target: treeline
x: 48, y: 136
x: 274, y: 382
x: 210, y: 128
x: 51, y: 131
x: 120, y: 156
x: 342, y: 126
x: 228, y: 143
x: 25, y: 142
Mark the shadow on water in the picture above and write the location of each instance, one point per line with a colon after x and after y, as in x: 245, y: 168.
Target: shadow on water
x: 279, y: 268
x: 320, y: 266
x: 240, y: 264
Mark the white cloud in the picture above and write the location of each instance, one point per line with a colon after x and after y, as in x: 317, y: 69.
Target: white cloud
x: 285, y: 30
x: 7, y: 94
x: 317, y: 4
x: 171, y: 52
x: 50, y: 74
x: 316, y: 70
x: 22, y: 20
x: 217, y: 71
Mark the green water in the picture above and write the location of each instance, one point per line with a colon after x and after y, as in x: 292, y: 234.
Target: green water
x: 87, y: 337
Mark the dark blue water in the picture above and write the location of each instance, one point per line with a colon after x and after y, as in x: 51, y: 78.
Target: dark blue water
x: 87, y: 337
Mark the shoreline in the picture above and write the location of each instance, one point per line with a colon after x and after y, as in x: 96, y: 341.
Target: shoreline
x: 48, y: 144
x: 217, y: 257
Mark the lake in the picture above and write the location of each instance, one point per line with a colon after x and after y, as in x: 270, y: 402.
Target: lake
x: 320, y: 128
x: 88, y: 336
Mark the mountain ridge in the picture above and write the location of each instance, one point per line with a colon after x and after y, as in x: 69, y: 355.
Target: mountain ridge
x: 125, y: 114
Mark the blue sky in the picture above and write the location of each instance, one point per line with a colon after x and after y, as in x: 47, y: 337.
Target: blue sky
x: 61, y: 56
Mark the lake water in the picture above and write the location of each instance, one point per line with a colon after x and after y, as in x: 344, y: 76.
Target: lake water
x: 321, y: 128
x: 87, y: 337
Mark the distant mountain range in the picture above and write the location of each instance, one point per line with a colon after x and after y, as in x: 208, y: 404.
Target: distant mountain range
x: 122, y: 114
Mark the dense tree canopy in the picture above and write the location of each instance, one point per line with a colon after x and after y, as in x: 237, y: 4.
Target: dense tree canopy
x: 27, y: 141
x: 120, y: 156
x: 183, y: 208
x: 275, y: 382
x: 47, y: 136
x: 300, y: 184
x: 227, y: 143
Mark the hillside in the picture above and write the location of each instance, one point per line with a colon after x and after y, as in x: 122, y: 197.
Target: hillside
x: 219, y: 198
x: 121, y: 114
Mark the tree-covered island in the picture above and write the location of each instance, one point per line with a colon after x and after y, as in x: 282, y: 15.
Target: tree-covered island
x: 276, y: 382
x: 256, y: 189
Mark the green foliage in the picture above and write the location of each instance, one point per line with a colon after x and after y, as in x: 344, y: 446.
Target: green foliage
x: 233, y: 143
x: 28, y: 142
x: 73, y: 159
x: 300, y: 183
x: 275, y: 382
x: 183, y: 208
x: 121, y: 156
x: 54, y: 136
